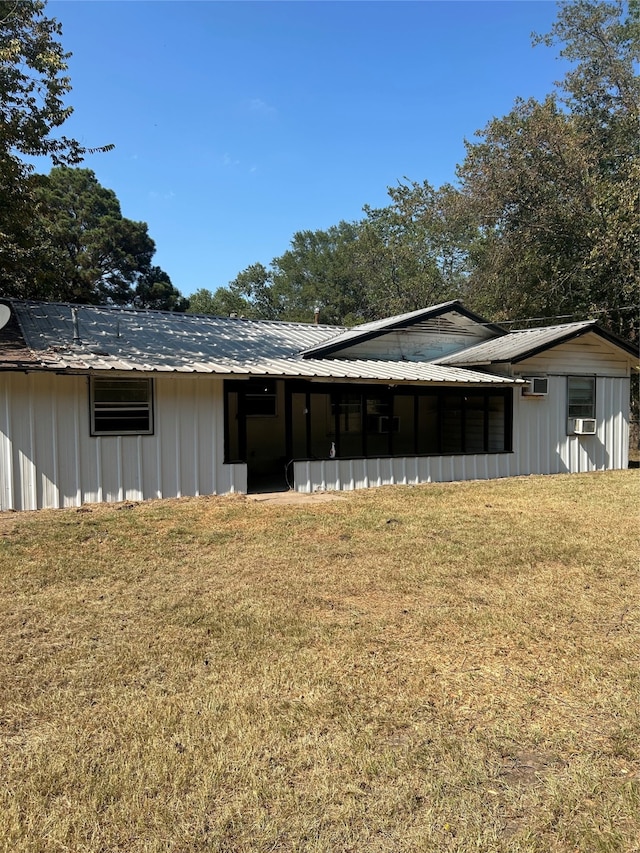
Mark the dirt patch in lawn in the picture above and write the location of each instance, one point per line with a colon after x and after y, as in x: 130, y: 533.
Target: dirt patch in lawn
x: 292, y: 497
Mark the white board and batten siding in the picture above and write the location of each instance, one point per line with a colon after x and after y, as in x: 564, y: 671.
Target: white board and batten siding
x: 348, y: 474
x: 541, y: 441
x: 48, y: 459
x: 540, y: 423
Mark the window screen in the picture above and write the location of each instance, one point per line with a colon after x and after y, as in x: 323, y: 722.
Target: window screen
x: 121, y: 406
x: 581, y: 395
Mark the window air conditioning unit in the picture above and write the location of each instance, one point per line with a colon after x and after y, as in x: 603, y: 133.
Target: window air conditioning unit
x: 538, y: 386
x: 584, y: 426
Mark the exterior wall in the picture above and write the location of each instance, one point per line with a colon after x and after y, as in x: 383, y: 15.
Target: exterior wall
x: 540, y: 440
x: 348, y: 474
x: 48, y: 459
x: 540, y: 446
x: 544, y: 446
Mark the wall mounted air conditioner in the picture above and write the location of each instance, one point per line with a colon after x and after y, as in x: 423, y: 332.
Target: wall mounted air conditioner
x: 584, y: 426
x: 538, y: 386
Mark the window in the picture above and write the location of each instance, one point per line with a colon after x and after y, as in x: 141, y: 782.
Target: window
x: 121, y: 406
x: 260, y: 398
x: 371, y: 421
x: 581, y: 396
x: 348, y: 407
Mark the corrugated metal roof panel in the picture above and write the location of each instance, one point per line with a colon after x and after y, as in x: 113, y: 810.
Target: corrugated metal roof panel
x: 154, y: 339
x: 515, y: 344
x: 400, y: 319
x: 79, y: 338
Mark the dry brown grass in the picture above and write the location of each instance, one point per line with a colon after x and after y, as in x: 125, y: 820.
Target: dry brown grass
x: 442, y: 668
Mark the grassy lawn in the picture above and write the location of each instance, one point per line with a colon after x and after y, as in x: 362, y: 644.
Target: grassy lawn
x: 443, y: 668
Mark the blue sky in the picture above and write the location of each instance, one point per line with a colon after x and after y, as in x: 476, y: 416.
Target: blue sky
x: 238, y: 123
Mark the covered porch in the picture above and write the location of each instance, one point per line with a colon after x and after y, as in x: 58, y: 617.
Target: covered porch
x: 299, y: 434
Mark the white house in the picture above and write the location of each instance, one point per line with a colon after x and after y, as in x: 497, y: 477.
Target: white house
x: 110, y: 404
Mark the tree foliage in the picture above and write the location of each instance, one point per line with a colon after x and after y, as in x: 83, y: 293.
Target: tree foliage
x: 413, y: 249
x: 322, y: 271
x: 389, y: 262
x: 33, y: 85
x: 319, y: 270
x: 154, y: 290
x: 553, y: 185
x: 88, y: 252
x: 245, y: 296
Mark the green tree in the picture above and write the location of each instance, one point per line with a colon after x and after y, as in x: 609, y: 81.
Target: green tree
x: 88, y: 251
x: 248, y: 295
x: 553, y: 185
x: 413, y: 249
x: 203, y: 301
x: 33, y: 85
x: 154, y: 290
x: 251, y: 294
x: 320, y: 270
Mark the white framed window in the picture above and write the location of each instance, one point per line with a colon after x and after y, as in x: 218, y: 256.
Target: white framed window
x: 121, y: 406
x: 581, y: 396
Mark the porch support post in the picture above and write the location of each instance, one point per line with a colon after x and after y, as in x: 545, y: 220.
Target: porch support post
x: 242, y: 426
x: 307, y: 405
x: 288, y: 422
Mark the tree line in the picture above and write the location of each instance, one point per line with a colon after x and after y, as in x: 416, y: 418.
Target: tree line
x: 543, y: 221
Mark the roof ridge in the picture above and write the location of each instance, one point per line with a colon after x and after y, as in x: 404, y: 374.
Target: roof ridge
x: 130, y: 309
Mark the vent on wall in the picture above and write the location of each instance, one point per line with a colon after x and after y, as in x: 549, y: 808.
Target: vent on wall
x: 538, y: 386
x: 584, y: 426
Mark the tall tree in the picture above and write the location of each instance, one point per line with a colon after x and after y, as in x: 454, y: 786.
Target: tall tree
x: 320, y: 270
x: 33, y: 85
x: 204, y: 301
x: 89, y: 252
x: 553, y: 185
x: 248, y: 295
x: 251, y: 294
x: 413, y: 249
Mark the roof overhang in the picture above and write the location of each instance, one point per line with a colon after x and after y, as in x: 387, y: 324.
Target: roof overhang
x: 519, y: 346
x: 593, y: 328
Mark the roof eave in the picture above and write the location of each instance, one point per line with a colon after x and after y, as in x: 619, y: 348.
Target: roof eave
x: 532, y: 351
x: 610, y: 337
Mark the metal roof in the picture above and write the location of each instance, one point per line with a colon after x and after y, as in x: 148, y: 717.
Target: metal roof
x: 79, y: 338
x: 524, y: 343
